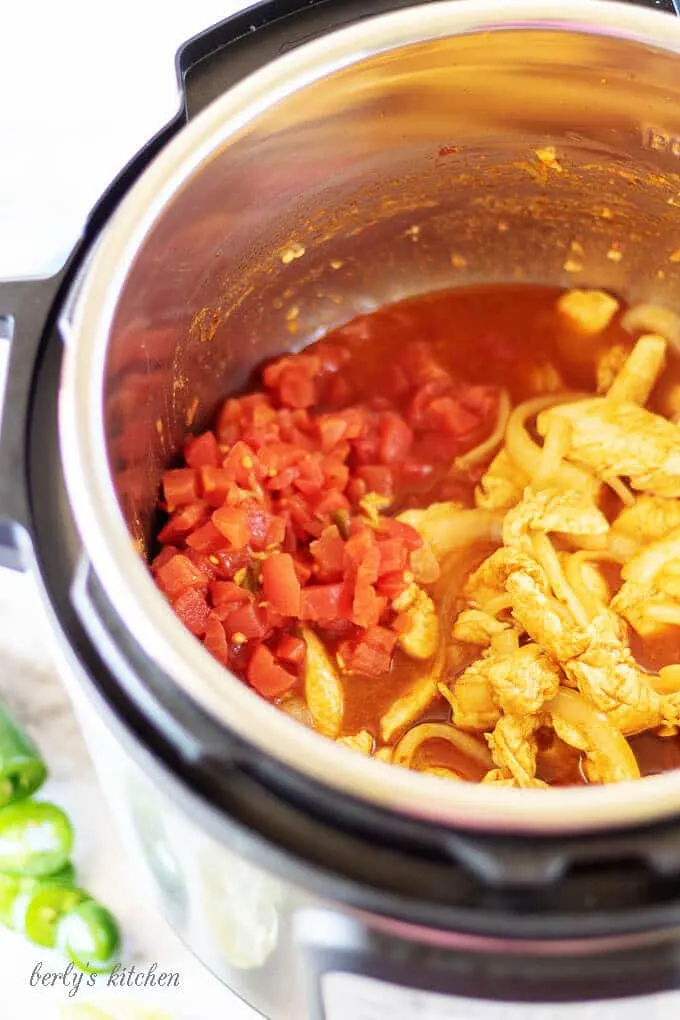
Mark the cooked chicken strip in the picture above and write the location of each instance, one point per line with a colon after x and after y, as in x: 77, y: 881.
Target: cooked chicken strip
x: 621, y: 440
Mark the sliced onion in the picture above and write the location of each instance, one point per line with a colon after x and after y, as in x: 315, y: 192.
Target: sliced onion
x: 485, y: 450
x: 528, y: 455
x: 653, y: 319
x: 463, y: 742
x: 600, y: 732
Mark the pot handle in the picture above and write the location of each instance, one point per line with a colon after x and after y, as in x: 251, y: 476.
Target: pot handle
x: 24, y: 320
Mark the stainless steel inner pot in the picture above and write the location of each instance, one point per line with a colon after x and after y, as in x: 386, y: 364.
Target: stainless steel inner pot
x: 442, y: 145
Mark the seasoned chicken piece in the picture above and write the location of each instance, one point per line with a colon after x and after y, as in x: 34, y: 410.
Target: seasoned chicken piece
x: 362, y: 742
x: 502, y: 484
x: 522, y: 681
x: 587, y: 311
x: 421, y: 639
x: 648, y: 519
x: 488, y: 582
x: 323, y: 688
x: 608, y: 676
x: 655, y: 557
x: 476, y: 627
x: 500, y: 777
x: 609, y: 757
x: 471, y: 698
x: 621, y: 440
x: 647, y: 608
x: 384, y: 754
x: 546, y: 621
x: 608, y: 364
x: 571, y: 512
x: 448, y: 526
x: 513, y: 747
x: 424, y: 564
x: 639, y: 375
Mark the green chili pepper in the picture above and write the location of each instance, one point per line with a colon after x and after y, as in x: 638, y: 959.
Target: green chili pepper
x: 22, y: 770
x: 89, y: 937
x: 342, y: 522
x: 36, y: 914
x: 13, y: 886
x: 35, y: 839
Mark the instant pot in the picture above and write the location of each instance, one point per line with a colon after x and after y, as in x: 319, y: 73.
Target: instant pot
x: 331, y: 156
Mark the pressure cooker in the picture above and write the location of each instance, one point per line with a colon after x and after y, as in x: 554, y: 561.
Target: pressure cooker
x: 312, y: 137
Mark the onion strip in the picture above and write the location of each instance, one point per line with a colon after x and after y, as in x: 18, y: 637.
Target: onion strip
x: 463, y: 742
x: 600, y: 733
x: 527, y: 455
x: 485, y: 450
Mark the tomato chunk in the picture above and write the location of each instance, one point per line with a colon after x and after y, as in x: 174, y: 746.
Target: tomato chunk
x: 266, y: 675
x: 193, y: 610
x: 371, y: 655
x: 215, y: 639
x: 180, y: 487
x: 280, y: 584
x: 232, y: 522
x: 202, y: 451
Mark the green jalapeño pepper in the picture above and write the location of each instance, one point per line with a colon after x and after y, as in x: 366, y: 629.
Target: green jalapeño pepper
x: 13, y: 886
x: 36, y: 914
x: 35, y: 839
x: 89, y: 937
x: 22, y: 770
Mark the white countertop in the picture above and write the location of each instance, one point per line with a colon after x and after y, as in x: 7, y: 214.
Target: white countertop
x: 83, y: 87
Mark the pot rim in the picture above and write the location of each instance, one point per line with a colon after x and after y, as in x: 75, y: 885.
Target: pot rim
x: 110, y: 548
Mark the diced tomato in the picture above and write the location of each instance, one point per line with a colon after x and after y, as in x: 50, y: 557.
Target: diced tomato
x: 259, y: 521
x: 291, y: 649
x: 420, y: 364
x: 371, y: 655
x: 166, y: 554
x: 448, y: 414
x: 378, y: 478
x: 280, y: 584
x: 202, y: 451
x: 367, y: 605
x: 395, y: 439
x: 203, y: 564
x: 180, y: 487
x: 402, y: 623
x: 393, y: 556
x: 328, y: 552
x: 324, y: 602
x: 230, y: 561
x: 330, y: 502
x: 215, y: 484
x: 481, y: 400
x: 182, y: 522
x: 276, y: 532
x: 193, y: 610
x: 360, y: 542
x: 206, y: 539
x: 391, y: 585
x: 266, y: 675
x: 177, y: 575
x: 242, y: 464
x: 215, y: 640
x: 232, y: 522
x: 228, y: 593
x: 399, y: 530
x: 248, y: 620
x: 297, y: 388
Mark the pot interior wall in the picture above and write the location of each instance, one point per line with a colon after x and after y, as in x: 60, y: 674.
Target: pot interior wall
x: 420, y: 168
